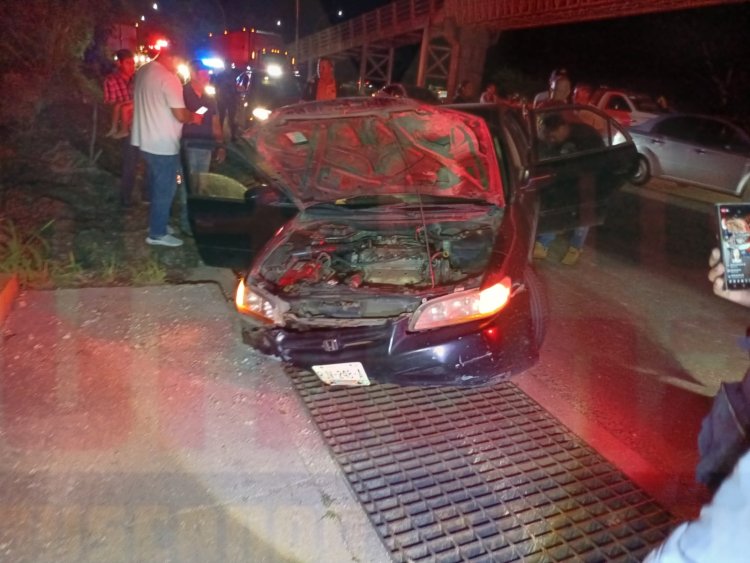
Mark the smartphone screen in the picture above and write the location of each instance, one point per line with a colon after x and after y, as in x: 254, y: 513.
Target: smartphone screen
x: 734, y: 238
x: 201, y: 110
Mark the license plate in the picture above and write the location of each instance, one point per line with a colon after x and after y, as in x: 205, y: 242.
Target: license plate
x: 351, y: 373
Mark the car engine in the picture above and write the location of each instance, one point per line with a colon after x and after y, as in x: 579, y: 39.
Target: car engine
x: 415, y: 257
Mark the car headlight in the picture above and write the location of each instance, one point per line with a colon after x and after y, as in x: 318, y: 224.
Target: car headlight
x: 261, y: 114
x: 462, y: 307
x: 259, y: 304
x: 274, y: 70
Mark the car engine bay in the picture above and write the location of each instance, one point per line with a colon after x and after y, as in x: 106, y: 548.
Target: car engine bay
x: 398, y: 260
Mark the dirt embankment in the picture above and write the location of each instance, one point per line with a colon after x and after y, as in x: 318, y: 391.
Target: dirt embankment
x: 61, y: 207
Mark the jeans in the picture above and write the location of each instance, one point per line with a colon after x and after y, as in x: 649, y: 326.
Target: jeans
x: 162, y: 181
x: 198, y: 162
x: 577, y: 239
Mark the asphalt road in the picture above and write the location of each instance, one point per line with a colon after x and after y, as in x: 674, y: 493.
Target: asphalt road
x: 135, y: 425
x: 638, y: 344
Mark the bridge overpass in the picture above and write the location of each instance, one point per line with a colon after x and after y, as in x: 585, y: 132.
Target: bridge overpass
x: 454, y: 35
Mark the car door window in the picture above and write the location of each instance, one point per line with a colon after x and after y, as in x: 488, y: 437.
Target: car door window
x: 678, y: 128
x: 560, y: 133
x: 711, y: 134
x: 618, y: 103
x: 207, y: 178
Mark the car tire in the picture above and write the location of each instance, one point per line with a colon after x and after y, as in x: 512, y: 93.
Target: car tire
x: 642, y: 173
x: 538, y: 305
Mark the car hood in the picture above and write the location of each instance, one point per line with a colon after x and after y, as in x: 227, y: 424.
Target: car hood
x: 323, y: 152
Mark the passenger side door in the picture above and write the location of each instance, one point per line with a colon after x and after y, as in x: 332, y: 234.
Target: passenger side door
x: 672, y: 141
x: 720, y: 157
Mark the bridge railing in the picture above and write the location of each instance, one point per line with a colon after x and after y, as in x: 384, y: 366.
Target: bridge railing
x: 388, y: 21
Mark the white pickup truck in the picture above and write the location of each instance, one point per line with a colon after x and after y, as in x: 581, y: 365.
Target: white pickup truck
x: 627, y: 107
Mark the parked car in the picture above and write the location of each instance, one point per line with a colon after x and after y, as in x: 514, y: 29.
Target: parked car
x: 627, y: 107
x: 697, y: 149
x: 382, y: 240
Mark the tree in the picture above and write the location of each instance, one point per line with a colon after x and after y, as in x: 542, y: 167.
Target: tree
x: 42, y: 52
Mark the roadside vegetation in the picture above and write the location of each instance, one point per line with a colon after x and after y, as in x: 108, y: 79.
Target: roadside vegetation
x: 60, y: 221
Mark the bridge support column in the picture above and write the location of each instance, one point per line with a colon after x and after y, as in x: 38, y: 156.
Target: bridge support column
x: 376, y: 64
x: 450, y: 54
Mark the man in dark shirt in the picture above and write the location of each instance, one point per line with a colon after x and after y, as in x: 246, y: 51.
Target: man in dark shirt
x: 563, y: 137
x: 199, y: 98
x: 560, y: 137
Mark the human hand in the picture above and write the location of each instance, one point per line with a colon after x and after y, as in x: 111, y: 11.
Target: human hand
x: 716, y: 277
x: 220, y: 155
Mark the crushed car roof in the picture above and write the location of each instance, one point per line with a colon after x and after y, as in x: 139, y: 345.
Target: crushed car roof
x: 325, y: 151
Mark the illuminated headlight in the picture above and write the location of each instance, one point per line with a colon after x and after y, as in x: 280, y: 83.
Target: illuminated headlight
x: 210, y: 90
x: 462, y: 307
x: 261, y: 114
x: 259, y: 304
x: 274, y: 71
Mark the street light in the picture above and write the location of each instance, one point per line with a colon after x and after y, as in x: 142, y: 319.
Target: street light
x: 155, y: 6
x: 278, y: 23
x: 340, y: 13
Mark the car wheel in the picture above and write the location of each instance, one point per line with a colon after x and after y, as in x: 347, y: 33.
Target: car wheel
x: 642, y: 172
x: 539, y: 306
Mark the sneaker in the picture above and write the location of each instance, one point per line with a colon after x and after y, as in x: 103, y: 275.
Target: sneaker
x: 540, y: 251
x: 166, y: 240
x: 572, y: 256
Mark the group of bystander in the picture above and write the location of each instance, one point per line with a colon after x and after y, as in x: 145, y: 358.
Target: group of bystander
x: 152, y: 112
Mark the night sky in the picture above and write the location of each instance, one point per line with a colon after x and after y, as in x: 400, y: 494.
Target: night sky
x: 697, y: 58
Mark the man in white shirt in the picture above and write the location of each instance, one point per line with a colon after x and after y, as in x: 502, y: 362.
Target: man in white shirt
x: 159, y: 112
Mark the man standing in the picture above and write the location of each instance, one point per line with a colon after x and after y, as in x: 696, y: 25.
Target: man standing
x: 157, y: 126
x: 489, y: 96
x: 563, y: 138
x: 118, y: 92
x: 198, y: 101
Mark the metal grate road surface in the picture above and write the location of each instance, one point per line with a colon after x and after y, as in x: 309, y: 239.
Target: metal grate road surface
x: 482, y: 475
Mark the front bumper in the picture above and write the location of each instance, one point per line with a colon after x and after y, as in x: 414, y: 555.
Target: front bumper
x: 463, y: 355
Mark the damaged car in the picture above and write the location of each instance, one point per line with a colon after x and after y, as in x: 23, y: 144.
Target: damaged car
x: 381, y: 240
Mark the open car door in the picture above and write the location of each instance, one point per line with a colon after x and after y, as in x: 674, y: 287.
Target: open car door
x: 579, y: 157
x: 232, y: 212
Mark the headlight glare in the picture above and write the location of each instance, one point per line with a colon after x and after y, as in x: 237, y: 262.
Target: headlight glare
x: 261, y: 114
x: 462, y: 307
x: 250, y: 301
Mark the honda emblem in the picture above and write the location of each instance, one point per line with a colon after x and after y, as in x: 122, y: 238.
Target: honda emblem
x: 331, y: 345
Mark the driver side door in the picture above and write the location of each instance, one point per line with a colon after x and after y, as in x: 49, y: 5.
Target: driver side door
x: 233, y: 213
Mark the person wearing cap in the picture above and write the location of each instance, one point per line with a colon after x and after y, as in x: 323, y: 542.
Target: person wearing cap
x: 199, y: 99
x: 558, y: 89
x: 159, y: 113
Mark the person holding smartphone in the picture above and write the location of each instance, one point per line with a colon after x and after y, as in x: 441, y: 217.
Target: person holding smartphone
x: 716, y: 277
x: 718, y: 534
x: 200, y: 100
